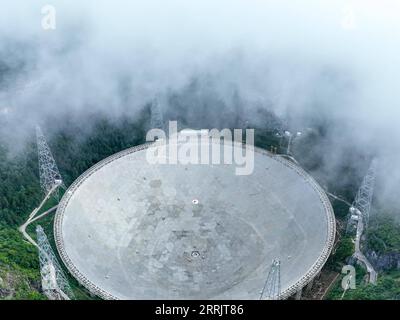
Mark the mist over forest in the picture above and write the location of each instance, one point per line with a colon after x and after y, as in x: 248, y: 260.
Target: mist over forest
x: 259, y: 63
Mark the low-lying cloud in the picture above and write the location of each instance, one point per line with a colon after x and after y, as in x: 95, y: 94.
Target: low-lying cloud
x: 303, y: 60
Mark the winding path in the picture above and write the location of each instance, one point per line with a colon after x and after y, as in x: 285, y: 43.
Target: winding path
x: 32, y: 217
x: 360, y: 256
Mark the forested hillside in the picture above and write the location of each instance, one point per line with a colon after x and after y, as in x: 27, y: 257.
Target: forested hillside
x: 20, y: 192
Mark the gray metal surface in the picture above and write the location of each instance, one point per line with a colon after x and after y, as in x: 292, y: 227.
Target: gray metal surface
x: 130, y: 230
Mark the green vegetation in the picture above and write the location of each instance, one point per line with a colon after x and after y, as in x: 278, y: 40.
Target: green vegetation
x: 387, y: 288
x: 384, y: 235
x: 344, y: 249
x: 19, y: 274
x: 20, y: 193
x: 19, y: 188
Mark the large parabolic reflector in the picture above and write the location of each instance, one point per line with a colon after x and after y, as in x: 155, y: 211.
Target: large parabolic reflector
x: 128, y: 229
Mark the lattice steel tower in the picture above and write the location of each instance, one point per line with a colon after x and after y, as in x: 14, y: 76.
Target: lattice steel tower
x: 48, y: 170
x: 361, y: 205
x: 156, y: 120
x: 272, y: 287
x: 54, y: 283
